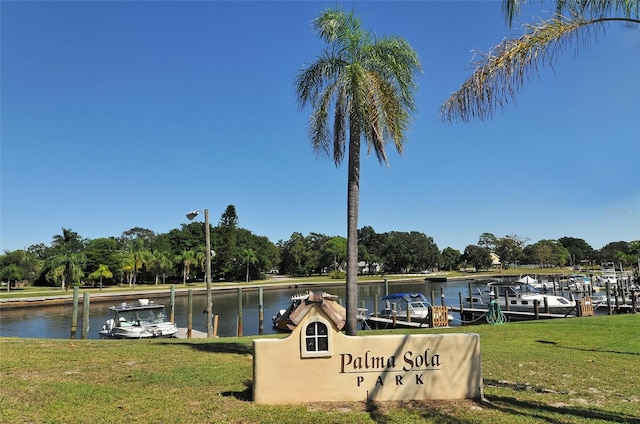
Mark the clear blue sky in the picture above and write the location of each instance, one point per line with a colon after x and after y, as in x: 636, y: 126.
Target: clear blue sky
x: 129, y: 114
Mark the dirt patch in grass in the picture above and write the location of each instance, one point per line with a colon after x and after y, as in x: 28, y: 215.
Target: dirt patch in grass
x: 382, y: 408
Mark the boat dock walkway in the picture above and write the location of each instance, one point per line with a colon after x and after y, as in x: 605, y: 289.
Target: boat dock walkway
x: 195, y: 334
x: 382, y: 323
x: 475, y: 313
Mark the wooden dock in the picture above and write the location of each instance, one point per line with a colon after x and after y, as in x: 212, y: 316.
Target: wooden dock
x: 195, y: 334
x: 473, y: 314
x: 377, y: 323
x: 438, y: 317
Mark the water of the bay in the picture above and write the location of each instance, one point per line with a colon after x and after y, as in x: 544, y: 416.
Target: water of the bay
x: 55, y: 321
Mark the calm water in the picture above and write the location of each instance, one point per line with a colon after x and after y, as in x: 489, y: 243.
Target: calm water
x: 55, y: 321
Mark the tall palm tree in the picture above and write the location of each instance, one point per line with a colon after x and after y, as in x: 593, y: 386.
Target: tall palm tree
x: 249, y: 257
x: 502, y: 72
x: 151, y: 261
x: 165, y: 264
x: 103, y: 271
x: 131, y: 264
x: 367, y: 83
x: 68, y: 268
x: 188, y: 258
x: 68, y: 241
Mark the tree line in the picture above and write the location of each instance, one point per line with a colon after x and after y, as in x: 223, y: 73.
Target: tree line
x: 140, y: 256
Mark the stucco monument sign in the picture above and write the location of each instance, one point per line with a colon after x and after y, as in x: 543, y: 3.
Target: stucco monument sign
x: 318, y: 363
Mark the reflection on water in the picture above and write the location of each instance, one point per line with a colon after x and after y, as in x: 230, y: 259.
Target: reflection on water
x: 55, y: 321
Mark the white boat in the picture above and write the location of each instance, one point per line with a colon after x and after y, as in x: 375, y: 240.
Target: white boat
x: 523, y: 297
x: 579, y: 283
x: 608, y: 275
x: 399, y: 304
x: 599, y: 301
x: 533, y: 282
x: 143, y: 319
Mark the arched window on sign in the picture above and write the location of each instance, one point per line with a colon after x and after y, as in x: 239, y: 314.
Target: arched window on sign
x: 315, y: 341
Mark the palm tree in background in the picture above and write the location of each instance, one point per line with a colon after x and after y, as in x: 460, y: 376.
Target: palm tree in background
x: 249, y: 257
x: 187, y: 258
x: 67, y: 261
x: 367, y: 84
x: 165, y: 264
x: 151, y: 262
x: 131, y: 264
x: 502, y: 72
x: 103, y: 271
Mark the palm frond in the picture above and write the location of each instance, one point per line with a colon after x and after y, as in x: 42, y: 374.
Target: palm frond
x: 587, y: 8
x: 501, y: 73
x: 599, y: 8
x: 511, y: 9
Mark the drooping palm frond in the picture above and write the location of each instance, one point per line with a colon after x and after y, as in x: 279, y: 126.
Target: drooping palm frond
x: 362, y: 83
x: 587, y: 8
x: 502, y: 72
x: 598, y: 8
x: 511, y: 9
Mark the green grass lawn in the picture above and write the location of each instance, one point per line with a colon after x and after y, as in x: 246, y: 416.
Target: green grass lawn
x: 559, y: 371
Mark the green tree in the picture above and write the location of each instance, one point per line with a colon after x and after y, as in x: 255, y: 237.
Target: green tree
x: 225, y: 242
x: 248, y: 257
x: 336, y: 247
x: 451, y: 258
x: 479, y: 257
x: 510, y: 249
x: 502, y: 72
x: 20, y: 265
x: 67, y: 242
x: 370, y: 248
x: 187, y: 258
x: 165, y: 264
x: 11, y: 272
x: 295, y: 254
x: 142, y: 236
x: 130, y: 264
x: 634, y: 254
x: 548, y: 253
x: 578, y: 249
x: 134, y: 258
x: 488, y: 241
x: 103, y: 271
x: 609, y: 252
x: 155, y: 262
x: 267, y: 256
x: 103, y: 251
x: 367, y: 83
x: 67, y: 268
x: 67, y: 261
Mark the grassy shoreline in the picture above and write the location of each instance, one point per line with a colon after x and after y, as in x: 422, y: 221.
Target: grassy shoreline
x: 562, y: 371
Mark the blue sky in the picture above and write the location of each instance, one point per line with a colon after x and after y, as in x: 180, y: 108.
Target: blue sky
x: 117, y: 115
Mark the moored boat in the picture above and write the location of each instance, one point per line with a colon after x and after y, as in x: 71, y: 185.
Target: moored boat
x: 523, y: 298
x: 579, y: 282
x: 400, y: 305
x: 143, y: 319
x: 608, y: 275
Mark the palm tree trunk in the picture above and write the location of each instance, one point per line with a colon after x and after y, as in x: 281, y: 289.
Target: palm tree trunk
x: 353, y: 199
